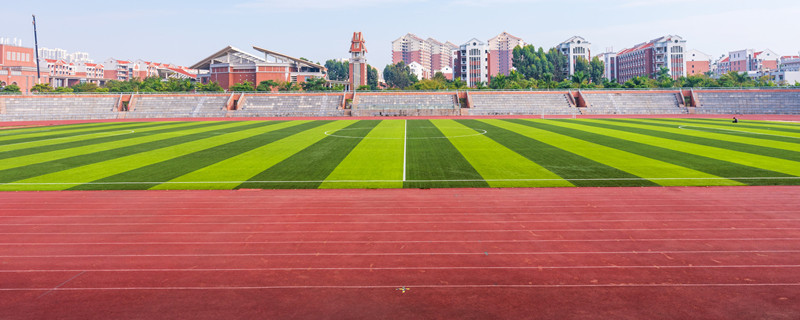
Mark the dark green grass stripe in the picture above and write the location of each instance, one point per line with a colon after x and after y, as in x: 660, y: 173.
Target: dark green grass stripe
x: 431, y: 156
x: 704, y: 164
x: 688, y: 137
x: 72, y: 133
x: 561, y: 162
x: 312, y: 164
x: 730, y: 132
x: 92, y: 141
x: 176, y: 167
x: 776, y: 126
x: 38, y: 169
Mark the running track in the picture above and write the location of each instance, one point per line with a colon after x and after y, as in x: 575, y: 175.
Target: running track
x: 590, y: 253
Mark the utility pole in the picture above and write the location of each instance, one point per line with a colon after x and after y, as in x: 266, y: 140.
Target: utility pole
x: 36, y: 45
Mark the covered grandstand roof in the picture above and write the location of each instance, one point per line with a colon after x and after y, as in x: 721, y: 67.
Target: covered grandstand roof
x: 225, y: 55
x: 285, y: 57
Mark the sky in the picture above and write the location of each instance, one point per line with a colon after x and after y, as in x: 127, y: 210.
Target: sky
x: 184, y: 32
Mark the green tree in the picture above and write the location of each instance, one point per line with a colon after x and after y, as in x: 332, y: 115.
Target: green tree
x: 429, y: 84
x: 42, y: 87
x: 242, y: 86
x: 735, y: 79
x: 399, y: 75
x: 266, y: 85
x: 639, y: 83
x: 152, y: 84
x: 372, y: 78
x: 210, y: 87
x: 580, y: 78
x: 598, y: 69
x: 67, y: 90
x: 288, y: 86
x: 582, y: 65
x: 178, y: 85
x: 338, y: 71
x: 11, y: 88
x: 85, y: 87
x: 314, y: 84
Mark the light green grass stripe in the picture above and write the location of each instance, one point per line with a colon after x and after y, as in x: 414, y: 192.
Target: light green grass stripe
x: 62, y: 138
x: 99, y: 170
x: 718, y: 135
x: 492, y: 160
x: 743, y: 158
x: 379, y: 156
x: 23, y: 133
x: 632, y: 163
x: 246, y: 165
x: 14, y: 162
x: 763, y: 128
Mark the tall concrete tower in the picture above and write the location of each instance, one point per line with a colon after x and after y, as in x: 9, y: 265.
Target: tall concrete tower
x: 358, y: 62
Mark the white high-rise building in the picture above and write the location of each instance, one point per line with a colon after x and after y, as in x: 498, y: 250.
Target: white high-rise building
x: 574, y: 48
x: 472, y: 62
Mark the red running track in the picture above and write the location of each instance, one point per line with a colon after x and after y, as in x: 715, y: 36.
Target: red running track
x: 588, y: 253
x: 767, y: 117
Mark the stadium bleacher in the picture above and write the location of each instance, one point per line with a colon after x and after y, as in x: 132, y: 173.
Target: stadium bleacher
x: 18, y: 108
x: 172, y: 106
x: 396, y: 101
x: 290, y: 105
x: 555, y: 103
x: 747, y: 102
x: 632, y: 103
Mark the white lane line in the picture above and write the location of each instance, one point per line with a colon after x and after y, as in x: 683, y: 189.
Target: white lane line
x: 428, y: 286
x: 173, y: 243
x: 397, y: 231
x: 315, y: 254
x: 404, y: 268
x: 385, y: 222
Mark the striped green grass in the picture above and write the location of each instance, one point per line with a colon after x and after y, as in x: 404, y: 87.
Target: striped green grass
x: 399, y: 154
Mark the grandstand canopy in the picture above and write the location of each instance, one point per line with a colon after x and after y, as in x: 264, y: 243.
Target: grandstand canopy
x: 279, y: 57
x: 230, y: 55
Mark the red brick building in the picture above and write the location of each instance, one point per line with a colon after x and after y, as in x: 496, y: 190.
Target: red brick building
x: 230, y: 66
x: 18, y: 67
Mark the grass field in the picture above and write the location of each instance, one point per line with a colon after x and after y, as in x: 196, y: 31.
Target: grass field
x: 400, y: 154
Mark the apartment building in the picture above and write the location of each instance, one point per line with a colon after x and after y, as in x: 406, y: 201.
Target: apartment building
x: 501, y: 49
x: 431, y: 54
x: 574, y: 48
x: 646, y: 59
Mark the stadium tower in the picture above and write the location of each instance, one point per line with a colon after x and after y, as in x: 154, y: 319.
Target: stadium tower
x: 358, y: 62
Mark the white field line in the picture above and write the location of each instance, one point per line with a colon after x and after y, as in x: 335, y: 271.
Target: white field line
x: 405, y: 141
x: 80, y: 135
x: 385, y: 181
x: 370, y: 254
x: 403, y: 268
x: 424, y: 286
x: 740, y: 131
